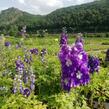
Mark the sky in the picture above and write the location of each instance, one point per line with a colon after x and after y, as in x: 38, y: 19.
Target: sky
x: 41, y: 7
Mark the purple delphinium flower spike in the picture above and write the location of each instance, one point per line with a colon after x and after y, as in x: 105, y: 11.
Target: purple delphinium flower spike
x: 14, y: 90
x: 63, y: 40
x: 19, y: 65
x: 79, y: 39
x: 24, y: 75
x: 23, y: 31
x: 93, y: 64
x: 21, y: 89
x: 28, y: 58
x: 32, y: 86
x: 25, y: 78
x: 34, y: 51
x: 74, y: 61
x: 32, y: 80
x: 43, y: 52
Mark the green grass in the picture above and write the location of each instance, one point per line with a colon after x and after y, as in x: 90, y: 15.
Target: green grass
x: 92, y: 45
x: 51, y: 43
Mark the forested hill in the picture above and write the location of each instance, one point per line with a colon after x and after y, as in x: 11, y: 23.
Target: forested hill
x: 87, y: 17
x: 90, y: 17
x: 14, y: 19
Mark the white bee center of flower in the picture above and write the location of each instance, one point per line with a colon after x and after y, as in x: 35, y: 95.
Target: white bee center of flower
x: 80, y: 56
x: 68, y: 62
x: 79, y: 75
x: 66, y: 81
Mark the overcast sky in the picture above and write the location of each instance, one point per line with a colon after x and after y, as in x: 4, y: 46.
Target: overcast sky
x: 39, y: 6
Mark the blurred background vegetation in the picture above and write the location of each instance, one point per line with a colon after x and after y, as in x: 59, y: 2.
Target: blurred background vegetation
x: 87, y: 18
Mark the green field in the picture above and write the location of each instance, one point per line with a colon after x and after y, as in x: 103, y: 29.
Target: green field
x: 48, y: 93
x: 52, y: 43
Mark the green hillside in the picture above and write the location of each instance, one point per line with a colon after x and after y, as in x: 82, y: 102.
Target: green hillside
x: 90, y: 17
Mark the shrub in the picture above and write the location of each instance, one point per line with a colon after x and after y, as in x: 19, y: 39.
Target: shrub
x: 20, y: 102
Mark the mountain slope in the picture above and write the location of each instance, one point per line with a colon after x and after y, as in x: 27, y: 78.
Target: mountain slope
x: 86, y: 17
x: 10, y: 16
x: 14, y: 15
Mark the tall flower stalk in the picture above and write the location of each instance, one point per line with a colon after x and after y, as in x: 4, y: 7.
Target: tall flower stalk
x: 25, y: 76
x: 64, y: 39
x: 42, y: 54
x: 17, y: 85
x: 74, y: 65
x: 93, y: 64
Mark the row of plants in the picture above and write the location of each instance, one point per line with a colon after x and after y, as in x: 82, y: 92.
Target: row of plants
x: 96, y: 35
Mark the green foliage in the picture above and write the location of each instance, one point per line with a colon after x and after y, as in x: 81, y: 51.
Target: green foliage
x: 20, y: 102
x: 48, y: 93
x: 67, y: 101
x: 13, y: 31
x: 96, y: 35
x: 41, y: 33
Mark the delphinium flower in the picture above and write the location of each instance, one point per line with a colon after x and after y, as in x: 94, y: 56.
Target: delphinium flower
x: 7, y: 44
x: 14, y: 89
x: 26, y: 92
x: 43, y: 53
x: 93, y: 64
x: 29, y: 76
x: 79, y: 38
x: 107, y: 56
x: 34, y: 51
x: 21, y: 87
x: 32, y: 81
x: 28, y: 58
x: 17, y: 85
x: 74, y: 62
x: 23, y: 31
x: 64, y: 39
x: 18, y: 45
x: 19, y: 65
x: 25, y: 77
